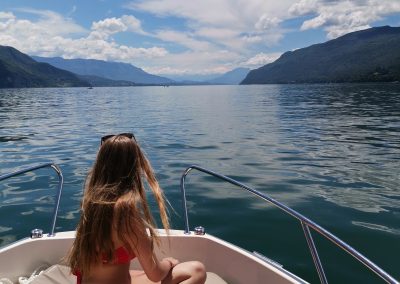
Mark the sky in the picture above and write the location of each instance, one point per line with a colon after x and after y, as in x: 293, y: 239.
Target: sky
x: 184, y: 39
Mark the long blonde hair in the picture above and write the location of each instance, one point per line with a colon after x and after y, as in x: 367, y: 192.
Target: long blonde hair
x: 115, y: 199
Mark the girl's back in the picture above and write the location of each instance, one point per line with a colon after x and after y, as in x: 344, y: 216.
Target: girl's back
x: 116, y: 224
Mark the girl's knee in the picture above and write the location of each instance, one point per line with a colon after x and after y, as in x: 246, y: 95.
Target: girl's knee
x: 198, y: 266
x: 193, y: 272
x: 198, y: 270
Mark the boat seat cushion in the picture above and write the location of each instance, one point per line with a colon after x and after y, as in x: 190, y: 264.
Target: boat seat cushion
x: 61, y: 274
x: 55, y: 274
x: 213, y: 278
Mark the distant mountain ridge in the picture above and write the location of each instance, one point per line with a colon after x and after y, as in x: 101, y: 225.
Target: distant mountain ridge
x: 96, y: 81
x: 371, y: 55
x: 110, y: 70
x: 233, y: 77
x: 18, y: 70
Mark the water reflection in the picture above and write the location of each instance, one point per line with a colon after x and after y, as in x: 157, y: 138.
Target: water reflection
x: 353, y: 132
x: 378, y: 227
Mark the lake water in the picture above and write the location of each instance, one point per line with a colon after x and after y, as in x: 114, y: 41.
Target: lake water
x: 331, y: 152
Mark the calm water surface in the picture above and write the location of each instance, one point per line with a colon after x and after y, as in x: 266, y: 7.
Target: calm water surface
x: 332, y: 152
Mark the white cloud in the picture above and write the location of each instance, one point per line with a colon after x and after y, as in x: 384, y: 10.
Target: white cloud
x: 182, y: 71
x: 303, y: 7
x: 182, y: 39
x: 252, y: 38
x: 207, y: 11
x: 340, y: 17
x: 225, y: 22
x: 133, y: 24
x: 166, y: 70
x: 6, y: 16
x: 103, y: 29
x: 54, y: 35
x: 109, y: 26
x: 266, y: 22
x: 219, y: 34
x: 194, y: 62
x: 6, y: 19
x: 73, y: 10
x: 51, y: 23
x: 261, y: 59
x: 97, y: 49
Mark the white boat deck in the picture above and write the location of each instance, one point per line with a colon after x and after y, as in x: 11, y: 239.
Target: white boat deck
x: 224, y: 260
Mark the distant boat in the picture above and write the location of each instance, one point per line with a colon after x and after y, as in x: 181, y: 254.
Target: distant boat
x: 90, y: 88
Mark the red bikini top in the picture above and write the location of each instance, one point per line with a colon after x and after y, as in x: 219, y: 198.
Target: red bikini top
x: 122, y: 256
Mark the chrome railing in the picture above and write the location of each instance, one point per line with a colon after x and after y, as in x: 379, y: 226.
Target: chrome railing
x: 60, y: 186
x: 305, y: 223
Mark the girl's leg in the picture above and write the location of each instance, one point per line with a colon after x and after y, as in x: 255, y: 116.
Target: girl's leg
x: 191, y: 272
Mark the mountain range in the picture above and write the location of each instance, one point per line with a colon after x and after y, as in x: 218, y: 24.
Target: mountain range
x: 371, y: 55
x: 123, y: 74
x: 103, y: 69
x: 18, y: 70
x: 233, y: 77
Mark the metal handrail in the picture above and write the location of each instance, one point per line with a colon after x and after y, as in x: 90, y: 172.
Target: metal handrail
x: 60, y: 186
x: 305, y: 223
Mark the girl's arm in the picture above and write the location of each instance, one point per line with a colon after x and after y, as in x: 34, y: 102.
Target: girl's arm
x: 155, y: 270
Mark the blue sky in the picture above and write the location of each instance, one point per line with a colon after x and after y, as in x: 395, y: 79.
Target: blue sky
x: 184, y: 39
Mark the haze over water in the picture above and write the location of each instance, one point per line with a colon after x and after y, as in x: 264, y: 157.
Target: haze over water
x: 331, y: 152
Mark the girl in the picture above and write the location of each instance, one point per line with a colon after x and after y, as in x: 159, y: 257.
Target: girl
x: 116, y: 224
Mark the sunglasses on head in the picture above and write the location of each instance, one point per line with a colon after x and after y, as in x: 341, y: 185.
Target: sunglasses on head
x: 128, y: 135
